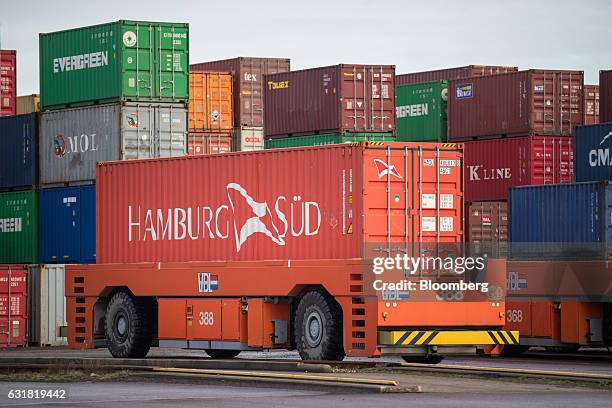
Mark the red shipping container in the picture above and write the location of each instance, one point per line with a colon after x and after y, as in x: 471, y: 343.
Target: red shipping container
x: 208, y: 143
x: 321, y: 202
x: 13, y: 331
x: 605, y: 96
x: 591, y: 104
x: 448, y: 74
x: 248, y: 87
x: 493, y: 166
x: 8, y: 82
x: 339, y: 98
x: 13, y: 314
x: 534, y: 102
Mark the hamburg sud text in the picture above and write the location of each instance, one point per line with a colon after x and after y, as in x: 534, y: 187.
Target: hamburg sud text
x: 401, y: 276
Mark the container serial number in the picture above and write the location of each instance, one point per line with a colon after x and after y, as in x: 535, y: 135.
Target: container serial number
x: 37, y: 394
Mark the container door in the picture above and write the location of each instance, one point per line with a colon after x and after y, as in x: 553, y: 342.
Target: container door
x: 354, y: 99
x: 137, y: 127
x: 170, y: 135
x: 251, y: 92
x: 172, y: 74
x: 138, y: 60
x: 88, y: 224
x: 381, y: 90
x: 60, y: 225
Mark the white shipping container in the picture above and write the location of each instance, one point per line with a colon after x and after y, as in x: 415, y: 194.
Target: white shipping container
x: 47, y: 306
x: 247, y: 138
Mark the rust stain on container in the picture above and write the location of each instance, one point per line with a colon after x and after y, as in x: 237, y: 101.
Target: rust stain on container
x: 210, y: 101
x: 452, y: 73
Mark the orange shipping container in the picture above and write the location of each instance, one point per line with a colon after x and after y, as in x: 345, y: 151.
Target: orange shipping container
x: 210, y: 101
x: 208, y: 143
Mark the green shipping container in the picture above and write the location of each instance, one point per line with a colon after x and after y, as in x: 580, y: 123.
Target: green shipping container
x: 420, y: 112
x: 326, y: 139
x: 19, y: 227
x: 120, y: 61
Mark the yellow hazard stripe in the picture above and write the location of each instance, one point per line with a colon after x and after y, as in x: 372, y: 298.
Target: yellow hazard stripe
x: 448, y: 337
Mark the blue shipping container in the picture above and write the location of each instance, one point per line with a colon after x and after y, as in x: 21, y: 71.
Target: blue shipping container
x: 19, y: 152
x: 561, y: 221
x: 593, y: 152
x: 68, y: 224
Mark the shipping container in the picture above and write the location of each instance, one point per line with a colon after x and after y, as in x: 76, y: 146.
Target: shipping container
x: 452, y: 73
x: 163, y: 210
x: 591, y: 104
x: 493, y: 166
x: 339, y: 98
x: 534, y: 102
x: 327, y: 139
x: 248, y: 138
x: 209, y: 142
x: 73, y: 140
x: 118, y: 61
x: 68, y: 224
x: 420, y: 112
x: 210, y: 101
x: 13, y: 305
x: 593, y: 158
x: 19, y: 227
x: 605, y: 96
x: 47, y: 324
x: 248, y: 88
x: 8, y: 82
x: 28, y: 104
x: 19, y: 152
x: 487, y: 227
x: 561, y: 221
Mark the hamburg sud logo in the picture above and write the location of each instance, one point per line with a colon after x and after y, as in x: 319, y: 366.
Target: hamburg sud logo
x: 59, y: 145
x: 385, y: 169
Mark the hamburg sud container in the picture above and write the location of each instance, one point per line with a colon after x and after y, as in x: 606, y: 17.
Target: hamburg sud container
x: 13, y: 305
x: 73, y: 140
x: 493, y: 166
x: 209, y: 142
x: 605, y: 96
x: 118, y: 61
x: 19, y: 152
x: 326, y: 139
x: 452, y: 73
x: 420, y: 111
x: 591, y: 104
x: 593, y: 156
x: 47, y: 324
x: 561, y: 221
x: 19, y: 227
x: 534, y: 102
x: 326, y: 202
x: 68, y: 225
x: 28, y: 104
x: 210, y: 102
x: 8, y: 82
x: 339, y: 98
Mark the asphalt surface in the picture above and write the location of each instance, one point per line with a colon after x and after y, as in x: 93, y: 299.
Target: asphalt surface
x: 442, y: 393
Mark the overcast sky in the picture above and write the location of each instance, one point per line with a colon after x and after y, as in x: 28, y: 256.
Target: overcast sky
x: 413, y: 35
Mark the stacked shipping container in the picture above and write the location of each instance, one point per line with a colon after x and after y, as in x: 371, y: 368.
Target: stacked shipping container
x: 28, y: 104
x: 591, y: 104
x: 605, y: 96
x: 8, y: 82
x: 420, y: 111
x: 452, y: 73
x: 13, y: 305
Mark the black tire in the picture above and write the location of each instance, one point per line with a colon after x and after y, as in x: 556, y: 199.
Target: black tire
x: 515, y: 350
x: 316, y: 310
x: 129, y: 326
x: 219, y: 353
x: 428, y: 359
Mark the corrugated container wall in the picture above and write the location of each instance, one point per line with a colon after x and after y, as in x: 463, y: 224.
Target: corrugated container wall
x: 452, y: 73
x: 248, y: 74
x: 605, y: 96
x: 47, y: 312
x: 13, y: 305
x: 118, y: 61
x: 207, y: 143
x: 8, y: 82
x: 73, y: 140
x: 68, y: 225
x: 562, y: 221
x: 493, y: 166
x: 339, y: 98
x: 534, y: 102
x: 163, y: 210
x: 19, y: 152
x: 210, y: 102
x: 593, y: 156
x: 327, y: 139
x: 248, y: 139
x: 28, y: 104
x: 487, y: 227
x: 591, y: 104
x: 19, y: 227
x: 420, y: 111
